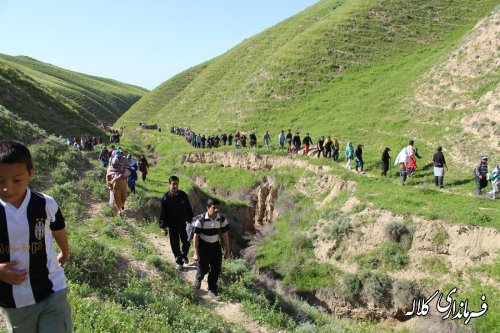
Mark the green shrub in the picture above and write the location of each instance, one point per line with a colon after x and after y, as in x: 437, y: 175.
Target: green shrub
x: 91, y: 262
x: 358, y: 208
x: 269, y: 314
x: 440, y: 236
x: 435, y: 265
x: 302, y: 242
x: 93, y: 185
x: 395, y: 231
x: 153, y: 260
x: 351, y: 287
x: 339, y: 228
x: 330, y: 214
x: 479, y: 218
x: 137, y: 202
x: 107, y: 211
x: 368, y: 260
x: 306, y: 328
x: 393, y: 256
x: 69, y: 200
x: 388, y: 256
x: 108, y: 231
x: 404, y: 292
x: 377, y: 288
x: 405, y: 242
x: 63, y: 173
x: 237, y: 270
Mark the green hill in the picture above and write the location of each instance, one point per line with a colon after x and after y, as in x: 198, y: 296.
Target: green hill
x: 14, y: 127
x: 376, y: 73
x: 62, y: 101
x: 344, y: 68
x: 358, y: 248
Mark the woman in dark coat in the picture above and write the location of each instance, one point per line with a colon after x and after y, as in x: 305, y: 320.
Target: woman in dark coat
x: 143, y: 167
x: 358, y: 158
x: 384, y: 161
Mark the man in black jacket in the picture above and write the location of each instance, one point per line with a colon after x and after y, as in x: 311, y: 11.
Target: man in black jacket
x: 175, y: 211
x: 480, y: 173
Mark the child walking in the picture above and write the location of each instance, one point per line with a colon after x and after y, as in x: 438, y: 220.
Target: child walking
x: 32, y: 281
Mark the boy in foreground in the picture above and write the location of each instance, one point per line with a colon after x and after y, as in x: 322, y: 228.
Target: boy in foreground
x: 32, y: 281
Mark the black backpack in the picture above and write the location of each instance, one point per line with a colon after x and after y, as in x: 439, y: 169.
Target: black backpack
x: 191, y: 226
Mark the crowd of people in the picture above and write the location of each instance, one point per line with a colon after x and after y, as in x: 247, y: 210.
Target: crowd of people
x: 121, y: 173
x: 328, y: 147
x: 24, y: 307
x: 150, y: 126
x: 115, y: 136
x: 175, y: 211
x: 83, y: 143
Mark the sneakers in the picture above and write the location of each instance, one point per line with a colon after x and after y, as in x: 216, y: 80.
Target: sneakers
x: 179, y: 267
x: 185, y: 259
x: 214, y: 295
x: 197, y: 284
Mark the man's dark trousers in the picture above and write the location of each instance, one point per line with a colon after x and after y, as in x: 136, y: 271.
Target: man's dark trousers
x: 176, y: 233
x: 210, y: 262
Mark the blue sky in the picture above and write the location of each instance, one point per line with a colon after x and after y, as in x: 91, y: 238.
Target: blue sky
x: 142, y: 42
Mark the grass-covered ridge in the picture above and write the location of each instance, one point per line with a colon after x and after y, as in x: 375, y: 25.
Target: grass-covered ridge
x: 60, y: 100
x: 351, y: 69
x: 339, y: 67
x: 15, y: 127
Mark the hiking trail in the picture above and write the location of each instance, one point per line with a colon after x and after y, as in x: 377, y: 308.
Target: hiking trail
x: 230, y: 311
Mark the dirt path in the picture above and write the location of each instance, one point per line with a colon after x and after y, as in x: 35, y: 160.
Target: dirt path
x: 230, y: 311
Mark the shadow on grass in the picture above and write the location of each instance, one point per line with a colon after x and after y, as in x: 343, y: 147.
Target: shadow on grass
x: 460, y: 182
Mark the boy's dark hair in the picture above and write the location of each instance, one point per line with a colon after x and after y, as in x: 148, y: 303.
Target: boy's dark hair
x: 440, y: 148
x: 15, y: 152
x: 173, y: 179
x: 213, y: 201
x: 411, y: 142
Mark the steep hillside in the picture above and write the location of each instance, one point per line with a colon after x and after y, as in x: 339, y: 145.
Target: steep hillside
x: 376, y: 73
x: 466, y: 86
x: 339, y: 67
x: 60, y: 100
x: 13, y: 127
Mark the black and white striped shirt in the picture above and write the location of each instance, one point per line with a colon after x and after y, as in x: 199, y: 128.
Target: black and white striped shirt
x: 25, y: 237
x: 209, y: 229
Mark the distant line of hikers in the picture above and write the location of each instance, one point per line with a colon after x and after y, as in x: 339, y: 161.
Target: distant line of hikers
x: 330, y: 148
x: 151, y: 126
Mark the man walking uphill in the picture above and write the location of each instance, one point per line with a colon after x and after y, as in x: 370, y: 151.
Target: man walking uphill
x: 207, y: 249
x: 175, y: 211
x: 480, y: 173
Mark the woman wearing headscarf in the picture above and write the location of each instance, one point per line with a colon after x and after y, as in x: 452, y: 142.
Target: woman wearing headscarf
x: 143, y: 167
x: 349, y: 155
x: 132, y: 178
x: 116, y: 181
x: 358, y: 156
x: 384, y: 161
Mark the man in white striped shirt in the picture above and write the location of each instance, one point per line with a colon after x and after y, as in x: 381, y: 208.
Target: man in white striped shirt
x: 207, y: 249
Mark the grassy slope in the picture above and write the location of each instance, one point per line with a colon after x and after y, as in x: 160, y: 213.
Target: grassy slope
x: 15, y: 127
x: 339, y: 68
x: 145, y: 108
x: 40, y: 105
x: 37, y: 91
